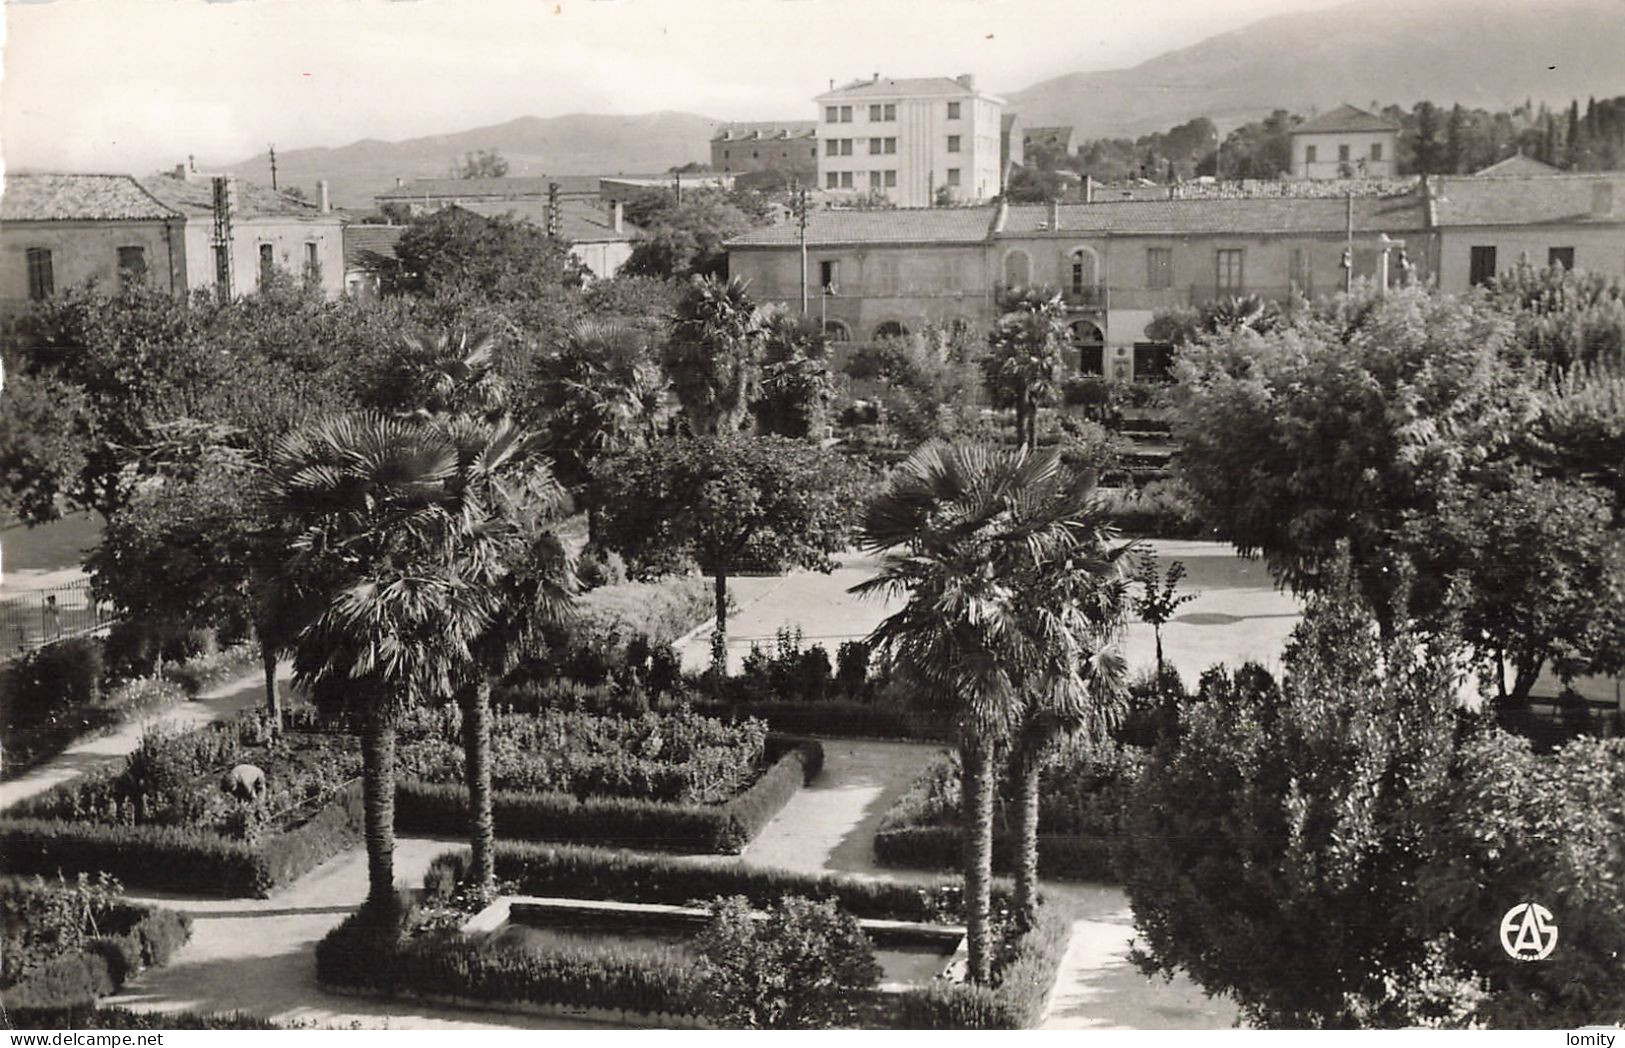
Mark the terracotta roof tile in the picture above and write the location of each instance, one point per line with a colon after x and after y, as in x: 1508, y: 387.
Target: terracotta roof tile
x: 917, y: 225
x: 83, y: 198
x: 1531, y: 200
x: 579, y: 221
x: 1345, y: 118
x: 1241, y: 217
x: 195, y: 196
x: 365, y: 244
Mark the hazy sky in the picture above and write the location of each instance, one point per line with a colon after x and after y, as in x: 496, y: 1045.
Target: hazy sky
x: 131, y: 85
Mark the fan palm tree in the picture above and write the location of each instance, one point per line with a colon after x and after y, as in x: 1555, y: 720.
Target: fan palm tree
x: 713, y: 355
x: 506, y: 551
x: 958, y: 525
x: 1075, y: 680
x: 365, y: 496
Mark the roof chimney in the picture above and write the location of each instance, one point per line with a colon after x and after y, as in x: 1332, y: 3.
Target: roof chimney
x: 321, y: 195
x: 832, y: 83
x: 1088, y: 189
x: 967, y: 80
x: 1602, y: 199
x: 399, y: 181
x: 180, y: 172
x: 1054, y: 213
x: 999, y: 216
x: 617, y: 217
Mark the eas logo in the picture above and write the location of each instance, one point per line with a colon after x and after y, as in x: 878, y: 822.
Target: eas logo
x: 1528, y: 932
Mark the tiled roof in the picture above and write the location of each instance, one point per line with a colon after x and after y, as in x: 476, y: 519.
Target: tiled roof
x: 1536, y: 200
x: 579, y: 221
x: 1517, y: 165
x: 92, y: 198
x: 1345, y: 118
x: 766, y: 129
x: 1242, y: 217
x: 1060, y: 134
x: 365, y: 243
x: 917, y: 225
x: 195, y: 196
x: 908, y: 87
x: 500, y: 188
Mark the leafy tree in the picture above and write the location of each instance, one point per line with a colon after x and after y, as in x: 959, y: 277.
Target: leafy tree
x: 1579, y: 432
x: 802, y: 967
x: 686, y: 239
x: 1427, y: 145
x: 1159, y: 597
x: 713, y: 355
x: 484, y: 163
x: 956, y: 524
x: 456, y: 253
x: 1024, y: 362
x: 599, y: 393
x: 928, y: 378
x: 1565, y: 319
x: 726, y: 502
x: 1332, y: 428
x: 796, y: 389
x: 44, y: 438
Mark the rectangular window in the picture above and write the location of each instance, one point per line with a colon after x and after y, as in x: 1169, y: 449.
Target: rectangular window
x: 953, y: 110
x: 846, y: 147
x: 132, y: 265
x: 267, y: 262
x: 846, y: 114
x: 1310, y: 154
x: 953, y: 143
x: 1159, y: 267
x: 832, y: 147
x: 1228, y: 273
x: 953, y: 176
x: 891, y: 179
x: 312, y: 259
x: 1376, y: 151
x: 41, y: 275
x: 832, y: 181
x: 1343, y: 154
x: 846, y: 180
x: 875, y: 114
x: 831, y: 114
x: 1561, y: 256
x: 829, y: 272
x: 1481, y: 264
x: 877, y: 146
x: 891, y: 111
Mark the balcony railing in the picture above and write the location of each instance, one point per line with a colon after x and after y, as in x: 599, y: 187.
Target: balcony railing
x: 1085, y: 297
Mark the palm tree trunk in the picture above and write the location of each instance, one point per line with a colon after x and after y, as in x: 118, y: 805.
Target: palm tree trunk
x: 378, y: 802
x: 477, y: 771
x: 273, y: 701
x: 977, y: 799
x: 1031, y: 771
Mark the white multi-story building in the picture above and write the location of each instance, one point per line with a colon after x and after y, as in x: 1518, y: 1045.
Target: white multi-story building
x: 1345, y: 143
x: 910, y: 140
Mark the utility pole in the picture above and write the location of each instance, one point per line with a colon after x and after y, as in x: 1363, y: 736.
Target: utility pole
x: 1348, y: 247
x: 677, y: 180
x: 798, y: 203
x: 272, y: 148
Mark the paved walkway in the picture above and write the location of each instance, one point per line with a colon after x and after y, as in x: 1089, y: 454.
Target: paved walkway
x: 217, y: 703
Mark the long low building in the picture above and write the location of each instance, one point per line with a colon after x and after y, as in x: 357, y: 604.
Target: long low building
x: 873, y: 273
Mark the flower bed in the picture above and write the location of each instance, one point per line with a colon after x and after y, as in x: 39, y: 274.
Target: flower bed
x: 90, y: 1017
x: 1081, y: 816
x: 442, y: 809
x: 69, y: 943
x: 403, y: 955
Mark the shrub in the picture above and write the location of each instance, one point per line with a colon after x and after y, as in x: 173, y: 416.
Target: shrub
x: 90, y: 1017
x: 442, y: 809
x: 839, y: 718
x: 598, y: 568
x: 852, y: 669
x: 788, y: 672
x: 211, y: 668
x: 1161, y: 509
x: 800, y: 968
x: 592, y: 647
x: 67, y: 673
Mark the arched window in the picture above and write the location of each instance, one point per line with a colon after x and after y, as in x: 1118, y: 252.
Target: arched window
x: 1090, y: 344
x: 891, y: 329
x: 1018, y: 269
x: 1084, y: 271
x: 836, y: 331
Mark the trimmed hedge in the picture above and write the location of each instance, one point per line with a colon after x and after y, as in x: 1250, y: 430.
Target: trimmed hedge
x: 1064, y: 857
x: 1017, y: 998
x: 150, y: 937
x: 90, y: 1017
x: 442, y: 809
x: 182, y: 859
x: 369, y: 954
x: 574, y: 872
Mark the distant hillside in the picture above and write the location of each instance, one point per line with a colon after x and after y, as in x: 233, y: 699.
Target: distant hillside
x: 1492, y: 53
x: 577, y: 144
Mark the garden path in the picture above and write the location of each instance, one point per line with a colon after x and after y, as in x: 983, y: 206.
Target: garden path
x: 830, y: 827
x: 220, y: 702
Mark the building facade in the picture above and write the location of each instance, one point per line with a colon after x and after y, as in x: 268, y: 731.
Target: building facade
x: 1345, y: 143
x: 600, y: 238
x: 62, y: 230
x: 785, y: 147
x: 912, y: 141
x: 1488, y: 225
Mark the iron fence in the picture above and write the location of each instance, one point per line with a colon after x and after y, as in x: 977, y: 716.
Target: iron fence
x: 38, y: 617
